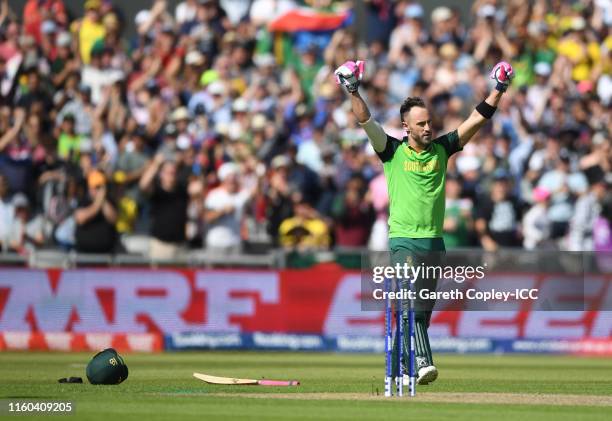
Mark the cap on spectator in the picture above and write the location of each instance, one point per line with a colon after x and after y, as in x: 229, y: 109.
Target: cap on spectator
x: 48, y: 27
x: 170, y: 130
x: 280, y: 161
x: 500, y: 174
x: 258, y: 122
x: 95, y: 179
x: 183, y: 142
x: 440, y: 14
x: 540, y: 194
x: 240, y: 105
x: 200, y: 109
x: 92, y: 4
x: 598, y: 138
x: 487, y: 11
x: 216, y: 88
x: 194, y: 58
x: 536, y: 28
x: 467, y: 163
x: 264, y: 60
x: 85, y: 89
x: 20, y: 201
x: 63, y: 39
x: 98, y: 49
x: 565, y: 156
x: 414, y: 11
x: 542, y: 68
x: 585, y: 86
x: 227, y: 170
x: 142, y: 17
x: 235, y: 131
x: 111, y: 21
x: 449, y: 50
x: 86, y: 146
x: 181, y: 113
x: 209, y: 77
x: 578, y: 23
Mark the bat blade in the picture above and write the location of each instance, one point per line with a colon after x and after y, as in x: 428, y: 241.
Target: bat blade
x: 224, y: 380
x: 235, y: 381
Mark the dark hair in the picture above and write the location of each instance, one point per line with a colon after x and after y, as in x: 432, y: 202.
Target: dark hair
x: 410, y: 102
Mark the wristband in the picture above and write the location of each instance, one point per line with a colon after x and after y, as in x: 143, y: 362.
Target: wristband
x: 486, y: 110
x: 501, y: 87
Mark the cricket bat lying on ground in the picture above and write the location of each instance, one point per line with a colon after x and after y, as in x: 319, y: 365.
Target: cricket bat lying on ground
x: 252, y: 382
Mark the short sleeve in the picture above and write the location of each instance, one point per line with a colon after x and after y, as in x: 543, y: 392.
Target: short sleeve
x: 387, y: 154
x: 450, y: 142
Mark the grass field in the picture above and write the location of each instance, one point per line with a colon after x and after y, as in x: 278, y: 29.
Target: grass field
x: 334, y: 386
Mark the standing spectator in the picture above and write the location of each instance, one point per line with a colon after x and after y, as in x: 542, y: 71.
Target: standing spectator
x: 69, y: 142
x: 458, y: 220
x: 353, y: 214
x: 536, y: 222
x: 379, y: 236
x: 497, y: 217
x: 95, y: 218
x: 35, y: 12
x: 278, y: 198
x: 305, y: 231
x: 26, y: 231
x: 563, y: 185
x: 224, y: 210
x: 168, y: 199
x: 588, y: 208
x: 6, y: 212
x: 90, y: 29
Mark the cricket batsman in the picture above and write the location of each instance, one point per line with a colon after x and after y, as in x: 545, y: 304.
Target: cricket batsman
x: 415, y: 170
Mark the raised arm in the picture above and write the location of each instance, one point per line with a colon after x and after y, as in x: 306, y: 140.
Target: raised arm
x: 502, y: 73
x: 476, y: 120
x: 376, y: 134
x: 349, y: 75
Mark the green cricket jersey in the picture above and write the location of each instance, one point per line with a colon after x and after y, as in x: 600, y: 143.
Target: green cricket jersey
x: 416, y: 184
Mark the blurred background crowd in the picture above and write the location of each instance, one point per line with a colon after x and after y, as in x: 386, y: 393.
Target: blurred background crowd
x: 217, y: 125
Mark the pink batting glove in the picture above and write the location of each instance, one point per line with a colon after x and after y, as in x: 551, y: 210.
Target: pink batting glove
x: 350, y: 74
x: 502, y: 73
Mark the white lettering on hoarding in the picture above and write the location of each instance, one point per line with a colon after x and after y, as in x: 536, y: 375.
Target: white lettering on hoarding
x: 222, y: 305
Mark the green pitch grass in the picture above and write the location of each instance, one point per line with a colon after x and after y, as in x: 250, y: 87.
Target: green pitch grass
x: 334, y: 386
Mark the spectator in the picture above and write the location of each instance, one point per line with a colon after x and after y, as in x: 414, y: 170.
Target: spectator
x: 305, y: 231
x: 26, y: 231
x: 588, y: 209
x: 379, y: 236
x: 69, y: 142
x: 95, y: 218
x: 278, y: 197
x: 168, y: 198
x: 90, y: 29
x: 6, y: 212
x: 353, y: 214
x: 563, y: 186
x: 224, y: 210
x: 498, y: 217
x: 458, y: 220
x: 536, y: 222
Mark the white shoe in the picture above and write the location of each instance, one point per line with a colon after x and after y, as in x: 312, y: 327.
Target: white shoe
x: 426, y: 375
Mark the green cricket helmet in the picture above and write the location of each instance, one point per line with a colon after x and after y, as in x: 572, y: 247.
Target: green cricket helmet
x: 107, y: 367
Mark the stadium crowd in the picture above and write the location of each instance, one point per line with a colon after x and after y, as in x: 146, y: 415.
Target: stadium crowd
x: 207, y: 130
